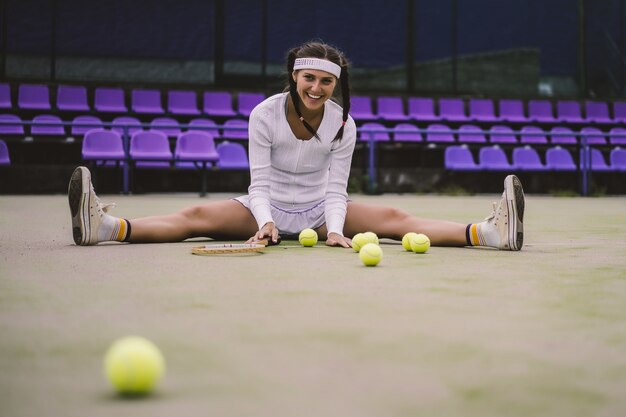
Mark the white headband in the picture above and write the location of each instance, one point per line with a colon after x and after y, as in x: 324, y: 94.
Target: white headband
x: 317, y: 64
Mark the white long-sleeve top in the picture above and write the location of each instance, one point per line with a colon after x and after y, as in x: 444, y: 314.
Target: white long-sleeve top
x: 294, y: 174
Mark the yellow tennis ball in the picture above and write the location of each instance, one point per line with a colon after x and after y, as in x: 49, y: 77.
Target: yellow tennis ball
x: 371, y: 237
x: 133, y: 365
x: 406, y: 243
x: 371, y: 254
x: 308, y: 237
x: 420, y: 243
x: 358, y: 241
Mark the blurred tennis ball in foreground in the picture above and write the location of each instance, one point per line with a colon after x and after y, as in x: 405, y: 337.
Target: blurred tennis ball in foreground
x: 308, y: 237
x: 371, y: 254
x: 133, y: 365
x: 420, y: 243
x: 406, y: 243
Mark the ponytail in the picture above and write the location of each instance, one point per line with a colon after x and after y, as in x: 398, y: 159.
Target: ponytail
x: 344, y: 79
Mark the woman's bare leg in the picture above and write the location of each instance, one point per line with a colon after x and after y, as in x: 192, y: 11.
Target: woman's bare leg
x: 393, y: 223
x: 223, y: 220
x: 503, y: 229
x: 91, y: 224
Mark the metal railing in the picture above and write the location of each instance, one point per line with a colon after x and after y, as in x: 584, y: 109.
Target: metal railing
x: 582, y: 146
x: 125, y: 140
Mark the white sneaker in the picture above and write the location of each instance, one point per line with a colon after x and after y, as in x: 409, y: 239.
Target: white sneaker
x: 88, y: 213
x: 505, y: 224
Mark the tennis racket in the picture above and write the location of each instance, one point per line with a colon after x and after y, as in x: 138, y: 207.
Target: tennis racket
x: 232, y: 248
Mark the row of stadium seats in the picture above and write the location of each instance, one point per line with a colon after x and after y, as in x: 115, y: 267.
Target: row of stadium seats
x: 363, y: 108
x: 484, y: 110
x: 526, y: 158
x: 52, y: 125
x: 468, y: 133
x: 113, y: 100
x: 236, y: 129
x: 152, y: 149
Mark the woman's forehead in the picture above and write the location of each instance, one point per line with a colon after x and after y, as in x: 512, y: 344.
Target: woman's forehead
x: 317, y: 73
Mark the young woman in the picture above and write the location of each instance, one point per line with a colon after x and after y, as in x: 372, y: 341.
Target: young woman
x: 301, y: 145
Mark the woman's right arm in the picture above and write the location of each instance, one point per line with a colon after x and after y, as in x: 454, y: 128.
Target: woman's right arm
x: 259, y: 149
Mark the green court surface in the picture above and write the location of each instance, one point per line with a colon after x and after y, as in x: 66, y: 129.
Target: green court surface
x: 311, y: 331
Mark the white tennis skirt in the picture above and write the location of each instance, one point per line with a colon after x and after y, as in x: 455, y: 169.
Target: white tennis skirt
x: 292, y: 222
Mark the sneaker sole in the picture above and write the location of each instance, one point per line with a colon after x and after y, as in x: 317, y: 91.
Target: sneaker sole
x: 515, y: 206
x: 78, y: 195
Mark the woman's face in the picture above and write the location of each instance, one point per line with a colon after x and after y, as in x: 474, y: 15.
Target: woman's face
x: 314, y: 87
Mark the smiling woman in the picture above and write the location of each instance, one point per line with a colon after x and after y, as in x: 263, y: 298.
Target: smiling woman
x: 315, y: 69
x: 301, y: 146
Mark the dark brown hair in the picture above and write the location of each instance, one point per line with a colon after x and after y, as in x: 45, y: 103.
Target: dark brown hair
x: 324, y: 51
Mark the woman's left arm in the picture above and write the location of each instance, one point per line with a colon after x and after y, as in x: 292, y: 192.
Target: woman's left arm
x: 336, y: 191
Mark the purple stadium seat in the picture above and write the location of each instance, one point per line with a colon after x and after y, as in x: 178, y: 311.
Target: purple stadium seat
x: 33, y: 97
x: 72, y: 98
x: 232, y: 156
x: 236, y: 134
x: 594, y: 136
x: 618, y: 140
x: 11, y: 129
x: 422, y: 109
x: 5, y: 159
x: 53, y: 127
x: 560, y: 138
x: 5, y: 96
x: 366, y: 132
x: 619, y: 112
x: 597, y: 112
x: 512, y: 110
x: 502, y: 134
x: 361, y: 108
x: 532, y: 134
x: 246, y: 102
x: 569, y: 111
x: 205, y: 125
x: 195, y: 149
x: 133, y: 124
x: 391, y: 108
x: 471, y: 133
x: 459, y: 158
x: 598, y: 163
x: 146, y: 101
x: 439, y: 133
x: 493, y: 158
x: 527, y: 159
x: 166, y: 125
x: 150, y: 149
x: 482, y: 110
x: 452, y: 109
x: 540, y: 111
x: 102, y: 145
x: 218, y: 104
x: 618, y: 159
x: 182, y: 102
x: 83, y: 124
x: 559, y: 159
x: 110, y: 100
x: 406, y: 132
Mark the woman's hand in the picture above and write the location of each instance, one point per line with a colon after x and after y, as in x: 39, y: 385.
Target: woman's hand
x: 268, y: 230
x: 335, y: 239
